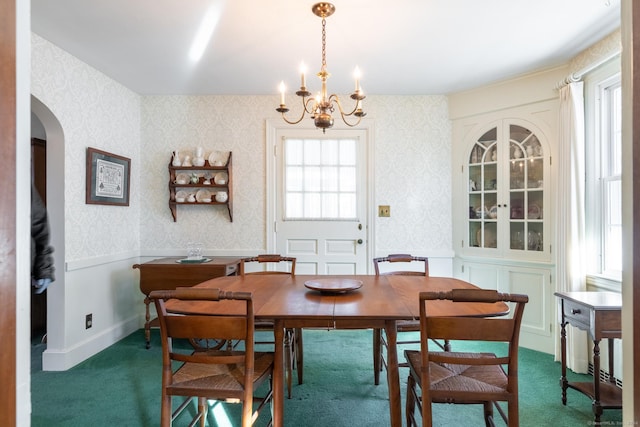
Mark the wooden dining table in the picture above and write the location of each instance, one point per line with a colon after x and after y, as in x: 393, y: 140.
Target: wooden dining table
x: 379, y: 302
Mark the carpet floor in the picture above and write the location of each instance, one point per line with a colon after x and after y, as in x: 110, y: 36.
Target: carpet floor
x: 120, y: 386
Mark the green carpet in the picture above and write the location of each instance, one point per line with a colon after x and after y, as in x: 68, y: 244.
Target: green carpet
x: 121, y: 387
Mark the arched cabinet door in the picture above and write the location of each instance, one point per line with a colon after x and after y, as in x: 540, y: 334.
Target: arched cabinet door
x: 507, y: 191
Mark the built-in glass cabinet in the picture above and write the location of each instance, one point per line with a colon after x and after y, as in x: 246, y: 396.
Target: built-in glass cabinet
x: 504, y: 209
x: 507, y: 191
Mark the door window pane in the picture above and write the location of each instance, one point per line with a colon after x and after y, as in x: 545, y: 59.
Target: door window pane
x: 320, y: 179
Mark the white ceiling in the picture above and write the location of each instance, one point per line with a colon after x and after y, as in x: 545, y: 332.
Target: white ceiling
x: 402, y: 47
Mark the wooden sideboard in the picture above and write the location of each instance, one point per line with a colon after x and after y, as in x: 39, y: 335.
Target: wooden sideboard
x: 168, y: 273
x: 600, y: 314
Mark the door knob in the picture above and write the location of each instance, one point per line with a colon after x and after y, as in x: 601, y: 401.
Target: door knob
x: 359, y: 241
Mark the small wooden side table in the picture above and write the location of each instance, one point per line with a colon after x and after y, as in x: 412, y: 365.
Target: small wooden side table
x: 168, y: 273
x: 600, y: 314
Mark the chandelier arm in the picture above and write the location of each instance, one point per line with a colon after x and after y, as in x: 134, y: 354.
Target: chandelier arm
x: 306, y: 105
x: 293, y: 122
x: 336, y: 99
x: 305, y: 111
x: 344, y: 119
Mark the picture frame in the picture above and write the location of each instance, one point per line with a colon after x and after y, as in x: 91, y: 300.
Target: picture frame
x: 108, y: 178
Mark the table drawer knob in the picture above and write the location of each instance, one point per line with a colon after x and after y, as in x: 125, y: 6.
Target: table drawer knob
x: 575, y: 311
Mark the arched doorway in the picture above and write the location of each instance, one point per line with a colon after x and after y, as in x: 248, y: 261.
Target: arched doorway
x: 55, y: 207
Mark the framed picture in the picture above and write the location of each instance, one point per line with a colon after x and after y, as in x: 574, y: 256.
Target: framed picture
x: 107, y: 178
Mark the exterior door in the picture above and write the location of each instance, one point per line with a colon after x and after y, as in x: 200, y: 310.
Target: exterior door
x: 321, y: 200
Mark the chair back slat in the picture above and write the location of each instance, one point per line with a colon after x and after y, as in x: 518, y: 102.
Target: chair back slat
x: 270, y: 259
x: 405, y: 260
x: 470, y: 328
x: 445, y: 357
x: 211, y: 357
x: 220, y: 327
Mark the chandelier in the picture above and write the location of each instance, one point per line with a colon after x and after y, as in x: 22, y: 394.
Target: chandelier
x: 322, y: 106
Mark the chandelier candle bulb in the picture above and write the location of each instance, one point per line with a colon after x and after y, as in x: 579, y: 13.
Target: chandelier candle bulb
x: 303, y: 70
x: 282, y: 89
x: 357, y: 75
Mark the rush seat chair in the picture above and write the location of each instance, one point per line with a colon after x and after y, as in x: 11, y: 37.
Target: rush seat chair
x: 466, y: 377
x: 225, y: 374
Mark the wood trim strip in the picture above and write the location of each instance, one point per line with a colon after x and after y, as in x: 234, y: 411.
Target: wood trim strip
x: 8, y: 211
x: 635, y: 136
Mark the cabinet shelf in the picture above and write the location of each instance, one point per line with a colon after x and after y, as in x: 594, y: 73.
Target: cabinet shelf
x: 207, y: 171
x: 220, y: 187
x: 198, y: 203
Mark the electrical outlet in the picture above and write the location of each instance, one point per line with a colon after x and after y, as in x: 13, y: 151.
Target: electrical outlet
x: 384, y: 210
x: 88, y: 321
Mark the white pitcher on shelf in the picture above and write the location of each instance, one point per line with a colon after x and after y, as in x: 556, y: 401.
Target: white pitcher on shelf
x: 176, y: 159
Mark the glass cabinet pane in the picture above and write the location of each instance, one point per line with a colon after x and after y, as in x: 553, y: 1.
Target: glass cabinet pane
x: 526, y: 181
x: 482, y: 191
x: 505, y: 192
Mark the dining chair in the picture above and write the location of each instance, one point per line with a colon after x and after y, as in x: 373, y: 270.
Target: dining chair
x: 406, y: 265
x: 474, y: 377
x: 293, y: 337
x: 230, y: 375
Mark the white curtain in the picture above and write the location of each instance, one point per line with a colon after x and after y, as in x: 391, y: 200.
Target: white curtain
x: 571, y: 219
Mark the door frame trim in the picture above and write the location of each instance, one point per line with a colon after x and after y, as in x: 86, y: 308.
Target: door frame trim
x: 9, y: 277
x: 273, y: 126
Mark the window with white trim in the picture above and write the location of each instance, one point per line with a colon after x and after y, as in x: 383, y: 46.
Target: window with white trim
x: 320, y: 179
x: 604, y: 174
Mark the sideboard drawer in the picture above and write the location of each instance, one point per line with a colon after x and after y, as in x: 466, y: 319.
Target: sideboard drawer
x: 577, y: 314
x: 231, y: 269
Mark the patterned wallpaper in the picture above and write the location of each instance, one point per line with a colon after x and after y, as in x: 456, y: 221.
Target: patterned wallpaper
x: 603, y: 50
x: 94, y: 111
x: 412, y: 164
x: 413, y: 173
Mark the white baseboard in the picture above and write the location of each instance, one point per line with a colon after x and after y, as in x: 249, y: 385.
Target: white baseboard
x: 63, y: 359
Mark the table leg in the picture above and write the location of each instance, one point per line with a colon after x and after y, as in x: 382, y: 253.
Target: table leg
x: 299, y: 354
x: 597, y: 407
x: 612, y: 377
x: 147, y: 323
x: 393, y: 376
x: 377, y: 359
x: 563, y: 361
x: 278, y: 374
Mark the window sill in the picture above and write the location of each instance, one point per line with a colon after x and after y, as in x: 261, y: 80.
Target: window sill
x: 603, y: 283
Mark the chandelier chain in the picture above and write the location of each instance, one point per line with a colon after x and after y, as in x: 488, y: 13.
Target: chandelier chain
x: 324, y: 44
